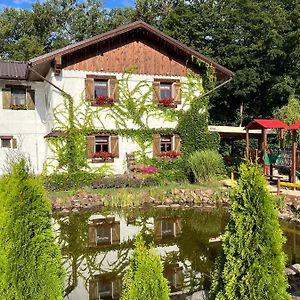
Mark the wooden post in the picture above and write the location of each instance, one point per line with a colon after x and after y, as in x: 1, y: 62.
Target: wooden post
x: 281, y: 138
x: 278, y: 186
x: 264, y: 148
x: 294, y: 157
x: 247, y: 144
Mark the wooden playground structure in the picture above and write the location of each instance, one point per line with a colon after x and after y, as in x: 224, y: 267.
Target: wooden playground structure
x: 285, y: 161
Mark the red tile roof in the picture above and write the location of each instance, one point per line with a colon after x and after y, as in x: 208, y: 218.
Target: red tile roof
x: 266, y: 124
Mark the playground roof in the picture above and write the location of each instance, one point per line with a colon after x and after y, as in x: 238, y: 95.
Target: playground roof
x: 266, y: 124
x: 295, y: 126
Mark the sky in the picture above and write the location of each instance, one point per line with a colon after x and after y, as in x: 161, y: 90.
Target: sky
x: 26, y: 4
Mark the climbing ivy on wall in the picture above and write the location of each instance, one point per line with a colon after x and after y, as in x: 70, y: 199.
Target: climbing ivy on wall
x: 131, y: 117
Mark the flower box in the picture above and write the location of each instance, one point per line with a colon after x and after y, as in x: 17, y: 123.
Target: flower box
x: 167, y: 102
x: 101, y: 157
x: 103, y: 101
x: 169, y: 154
x: 18, y: 107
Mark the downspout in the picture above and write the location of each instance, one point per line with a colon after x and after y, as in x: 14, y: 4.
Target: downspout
x: 48, y: 81
x: 216, y: 88
x: 70, y: 110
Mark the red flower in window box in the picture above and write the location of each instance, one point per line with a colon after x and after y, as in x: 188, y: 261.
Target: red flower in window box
x: 104, y: 100
x: 103, y: 155
x: 167, y: 102
x: 169, y: 154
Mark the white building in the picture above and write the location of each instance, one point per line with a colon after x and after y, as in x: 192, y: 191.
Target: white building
x: 111, y: 102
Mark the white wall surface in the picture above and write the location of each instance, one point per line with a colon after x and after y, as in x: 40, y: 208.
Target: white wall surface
x: 30, y: 126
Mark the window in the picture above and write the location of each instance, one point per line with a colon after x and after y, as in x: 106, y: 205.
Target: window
x: 165, y: 90
x: 167, y: 228
x: 5, y: 142
x: 104, y: 232
x: 102, y: 148
x: 101, y: 88
x: 18, y: 96
x: 8, y: 142
x: 166, y: 143
x: 105, y: 289
x: 101, y: 144
x: 103, y: 236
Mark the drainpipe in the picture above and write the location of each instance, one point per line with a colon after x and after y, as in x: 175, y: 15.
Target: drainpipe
x: 216, y: 88
x: 48, y: 81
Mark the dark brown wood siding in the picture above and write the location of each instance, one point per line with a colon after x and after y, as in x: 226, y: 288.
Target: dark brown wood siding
x: 147, y: 59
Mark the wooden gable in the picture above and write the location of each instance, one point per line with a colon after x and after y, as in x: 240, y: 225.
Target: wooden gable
x: 133, y: 45
x: 146, y: 58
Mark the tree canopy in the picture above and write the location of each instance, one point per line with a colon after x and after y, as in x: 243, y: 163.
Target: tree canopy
x: 258, y: 40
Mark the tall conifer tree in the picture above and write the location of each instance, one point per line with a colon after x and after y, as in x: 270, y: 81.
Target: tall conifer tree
x: 30, y: 261
x: 252, y: 266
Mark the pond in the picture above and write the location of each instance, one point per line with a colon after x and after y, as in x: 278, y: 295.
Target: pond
x: 96, y: 248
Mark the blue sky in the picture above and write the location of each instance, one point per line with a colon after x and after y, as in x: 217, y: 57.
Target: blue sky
x: 27, y: 3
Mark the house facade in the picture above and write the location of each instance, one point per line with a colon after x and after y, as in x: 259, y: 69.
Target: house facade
x: 116, y: 88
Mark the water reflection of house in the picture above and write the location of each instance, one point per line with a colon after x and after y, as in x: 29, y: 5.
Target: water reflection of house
x: 103, y: 232
x: 105, y: 286
x: 166, y: 227
x: 174, y: 275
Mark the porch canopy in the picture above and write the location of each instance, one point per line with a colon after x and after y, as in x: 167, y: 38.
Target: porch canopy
x: 263, y: 125
x: 294, y: 129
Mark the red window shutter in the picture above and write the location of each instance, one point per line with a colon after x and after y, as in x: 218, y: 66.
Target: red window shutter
x: 90, y: 146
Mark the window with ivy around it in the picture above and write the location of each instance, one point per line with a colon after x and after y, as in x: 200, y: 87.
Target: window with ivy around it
x: 101, y: 90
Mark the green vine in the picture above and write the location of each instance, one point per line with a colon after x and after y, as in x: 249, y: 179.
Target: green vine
x: 131, y: 117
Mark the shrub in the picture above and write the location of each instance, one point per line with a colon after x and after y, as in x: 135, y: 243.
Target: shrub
x: 126, y: 180
x: 252, y: 265
x: 30, y: 262
x: 206, y: 165
x: 144, y: 278
x: 75, y: 180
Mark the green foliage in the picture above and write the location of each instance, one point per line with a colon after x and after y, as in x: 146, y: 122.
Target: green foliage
x: 289, y: 113
x: 30, y: 261
x: 136, y: 107
x: 206, y: 165
x: 123, y: 181
x: 75, y: 180
x: 253, y: 264
x: 144, y: 278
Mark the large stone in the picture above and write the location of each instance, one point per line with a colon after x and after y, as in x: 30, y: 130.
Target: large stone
x: 201, y: 295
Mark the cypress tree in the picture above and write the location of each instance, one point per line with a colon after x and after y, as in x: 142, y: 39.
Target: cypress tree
x: 30, y: 261
x: 144, y: 278
x: 253, y: 264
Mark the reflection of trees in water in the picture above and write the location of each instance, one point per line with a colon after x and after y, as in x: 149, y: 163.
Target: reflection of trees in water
x: 196, y: 254
x: 194, y: 247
